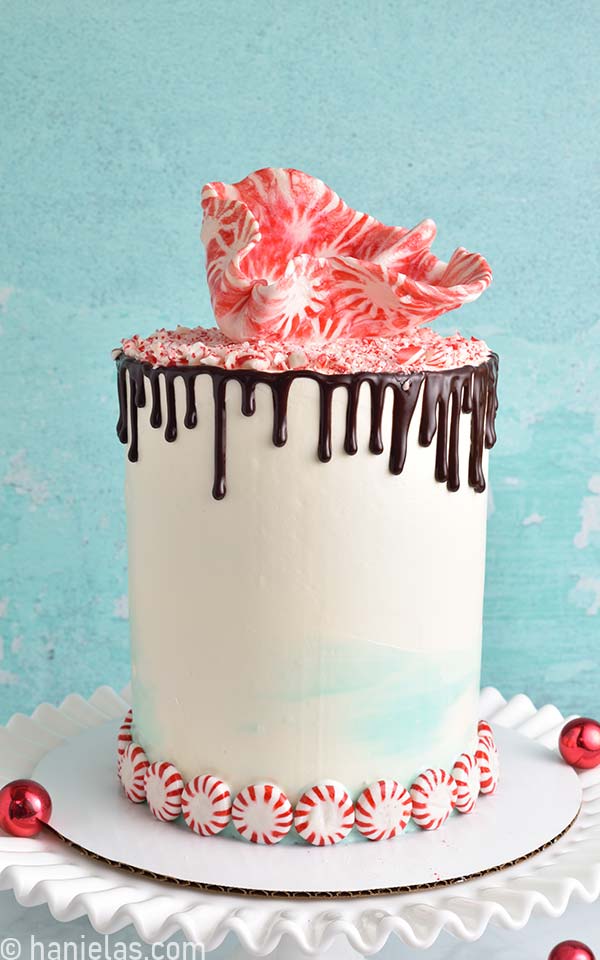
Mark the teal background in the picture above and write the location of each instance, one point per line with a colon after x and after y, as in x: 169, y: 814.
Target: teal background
x: 483, y: 116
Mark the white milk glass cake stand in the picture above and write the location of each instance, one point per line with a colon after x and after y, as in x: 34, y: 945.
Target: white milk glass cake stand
x: 73, y: 884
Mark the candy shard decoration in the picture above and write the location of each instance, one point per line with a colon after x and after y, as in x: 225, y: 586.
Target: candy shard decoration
x: 571, y: 950
x: 206, y: 805
x: 262, y: 813
x: 489, y: 766
x: 25, y: 806
x: 124, y: 736
x: 324, y: 814
x: 164, y: 787
x: 383, y: 810
x: 134, y: 764
x: 286, y: 257
x: 467, y: 775
x: 434, y: 794
x: 579, y: 743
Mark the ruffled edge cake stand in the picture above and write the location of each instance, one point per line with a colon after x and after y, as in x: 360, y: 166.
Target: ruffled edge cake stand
x: 46, y: 870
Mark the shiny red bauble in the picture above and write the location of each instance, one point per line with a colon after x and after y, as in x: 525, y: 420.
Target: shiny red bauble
x: 571, y: 950
x: 579, y: 743
x: 25, y: 806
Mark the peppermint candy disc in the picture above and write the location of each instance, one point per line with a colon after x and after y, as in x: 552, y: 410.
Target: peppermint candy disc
x: 206, y: 805
x: 486, y: 734
x: 262, y: 813
x: 124, y: 734
x: 383, y: 810
x: 324, y: 814
x: 164, y: 787
x: 434, y: 794
x: 489, y: 767
x: 467, y: 777
x: 484, y: 729
x: 134, y: 764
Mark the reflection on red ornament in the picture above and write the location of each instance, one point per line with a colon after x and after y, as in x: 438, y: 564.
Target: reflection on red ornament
x: 571, y: 950
x: 579, y: 743
x: 25, y: 807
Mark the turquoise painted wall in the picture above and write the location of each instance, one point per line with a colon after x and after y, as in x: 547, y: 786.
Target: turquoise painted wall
x: 481, y: 115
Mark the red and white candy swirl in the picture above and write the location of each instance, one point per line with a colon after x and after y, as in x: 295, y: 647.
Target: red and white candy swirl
x: 262, y: 813
x: 164, y: 786
x: 206, y: 805
x: 489, y: 766
x: 124, y: 736
x: 324, y: 814
x: 383, y: 810
x: 134, y: 764
x: 434, y: 794
x: 286, y: 257
x: 485, y: 732
x: 467, y: 777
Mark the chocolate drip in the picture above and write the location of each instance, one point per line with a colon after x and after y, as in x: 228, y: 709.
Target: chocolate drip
x: 405, y: 401
x: 133, y: 443
x: 248, y: 397
x: 378, y: 386
x: 350, y: 439
x: 191, y: 416
x: 456, y: 395
x: 492, y: 406
x: 281, y: 394
x: 446, y: 394
x: 122, y: 391
x: 481, y: 397
x: 220, y: 403
x: 156, y: 412
x: 171, y: 426
x: 326, y: 389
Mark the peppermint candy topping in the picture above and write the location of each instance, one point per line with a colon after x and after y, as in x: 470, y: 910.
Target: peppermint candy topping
x: 206, y: 805
x: 134, y: 765
x: 164, y: 787
x: 434, y: 794
x: 467, y: 777
x: 262, y: 813
x: 383, y: 810
x: 489, y: 766
x: 286, y: 257
x: 324, y: 814
x: 124, y: 735
x: 485, y: 732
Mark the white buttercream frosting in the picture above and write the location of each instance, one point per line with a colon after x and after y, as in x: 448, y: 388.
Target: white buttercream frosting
x: 323, y: 620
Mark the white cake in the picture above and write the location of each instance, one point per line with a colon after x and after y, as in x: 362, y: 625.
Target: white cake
x: 306, y: 543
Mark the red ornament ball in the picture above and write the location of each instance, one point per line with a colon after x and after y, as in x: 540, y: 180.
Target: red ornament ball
x: 571, y: 950
x: 579, y: 743
x: 25, y: 806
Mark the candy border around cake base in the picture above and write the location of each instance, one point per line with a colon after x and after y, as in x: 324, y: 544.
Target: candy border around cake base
x: 517, y: 821
x: 35, y: 870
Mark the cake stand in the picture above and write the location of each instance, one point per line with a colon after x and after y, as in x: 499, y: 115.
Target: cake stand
x: 46, y: 870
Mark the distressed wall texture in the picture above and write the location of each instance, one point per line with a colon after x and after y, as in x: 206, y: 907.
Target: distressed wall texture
x: 482, y: 116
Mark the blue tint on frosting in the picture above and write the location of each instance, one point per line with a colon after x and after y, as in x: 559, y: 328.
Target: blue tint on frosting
x: 389, y: 689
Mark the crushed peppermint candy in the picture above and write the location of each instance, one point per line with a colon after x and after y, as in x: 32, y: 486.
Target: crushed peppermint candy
x: 422, y: 349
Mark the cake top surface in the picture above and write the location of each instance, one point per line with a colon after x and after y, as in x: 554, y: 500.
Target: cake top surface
x: 297, y: 278
x: 423, y: 349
